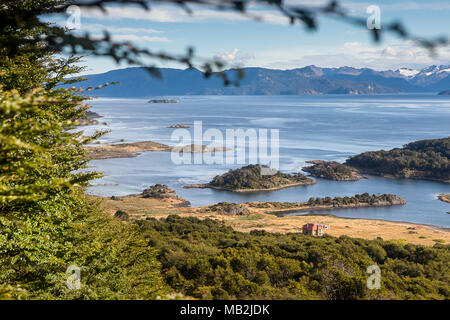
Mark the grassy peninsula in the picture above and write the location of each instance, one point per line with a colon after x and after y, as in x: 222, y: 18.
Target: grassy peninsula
x: 133, y: 149
x: 328, y: 203
x: 424, y: 159
x: 332, y: 170
x: 255, y: 178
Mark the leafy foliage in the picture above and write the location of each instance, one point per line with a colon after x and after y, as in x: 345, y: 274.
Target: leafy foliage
x: 46, y: 223
x: 364, y: 198
x: 206, y: 259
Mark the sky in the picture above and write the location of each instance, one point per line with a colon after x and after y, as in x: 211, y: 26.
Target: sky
x: 274, y: 42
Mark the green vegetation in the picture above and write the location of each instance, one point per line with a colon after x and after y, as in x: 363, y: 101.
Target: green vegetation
x: 229, y: 208
x: 46, y: 223
x: 364, y: 198
x: 251, y: 178
x: 206, y: 259
x: 332, y: 170
x: 425, y: 159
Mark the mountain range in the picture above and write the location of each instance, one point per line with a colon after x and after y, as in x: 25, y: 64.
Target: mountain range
x: 137, y: 82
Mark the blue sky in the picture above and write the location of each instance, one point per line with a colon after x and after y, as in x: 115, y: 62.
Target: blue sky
x: 274, y: 43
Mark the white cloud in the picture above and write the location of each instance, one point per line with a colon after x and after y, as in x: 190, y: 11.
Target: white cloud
x: 123, y: 34
x: 394, y: 5
x: 389, y: 51
x: 234, y: 57
x: 175, y: 14
x: 131, y: 38
x: 112, y: 29
x: 137, y: 38
x: 227, y: 56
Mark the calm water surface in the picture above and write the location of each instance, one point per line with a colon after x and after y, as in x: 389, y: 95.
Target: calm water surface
x: 331, y: 127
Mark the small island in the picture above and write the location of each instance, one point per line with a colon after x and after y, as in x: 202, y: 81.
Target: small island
x: 255, y: 178
x: 163, y: 101
x: 424, y: 159
x: 197, y: 148
x: 332, y: 170
x: 178, y: 125
x: 444, y: 93
x: 444, y: 197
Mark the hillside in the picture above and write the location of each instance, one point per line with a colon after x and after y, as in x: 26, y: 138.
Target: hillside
x: 425, y: 159
x: 137, y: 82
x: 205, y: 259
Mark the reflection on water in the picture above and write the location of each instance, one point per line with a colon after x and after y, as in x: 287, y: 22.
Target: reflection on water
x: 325, y: 127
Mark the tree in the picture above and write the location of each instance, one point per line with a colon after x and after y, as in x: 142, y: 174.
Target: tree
x: 46, y: 221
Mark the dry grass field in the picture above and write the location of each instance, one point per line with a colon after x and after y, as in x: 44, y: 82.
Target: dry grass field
x: 139, y: 208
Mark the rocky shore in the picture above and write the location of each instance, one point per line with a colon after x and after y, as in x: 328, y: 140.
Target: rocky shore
x: 280, y: 208
x: 332, y: 170
x: 444, y: 197
x: 163, y: 101
x: 317, y: 204
x: 161, y: 191
x: 178, y: 125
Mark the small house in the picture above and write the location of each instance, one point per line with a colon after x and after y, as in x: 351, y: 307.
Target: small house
x: 314, y: 229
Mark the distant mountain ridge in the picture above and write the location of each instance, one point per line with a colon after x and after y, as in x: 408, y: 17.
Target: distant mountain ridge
x: 136, y: 82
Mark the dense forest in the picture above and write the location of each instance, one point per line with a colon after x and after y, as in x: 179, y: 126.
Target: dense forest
x: 207, y: 260
x: 253, y: 177
x: 425, y: 159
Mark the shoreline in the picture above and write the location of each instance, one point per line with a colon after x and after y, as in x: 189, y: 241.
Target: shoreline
x: 301, y: 209
x: 391, y: 176
x: 321, y: 169
x: 208, y: 186
x: 446, y: 229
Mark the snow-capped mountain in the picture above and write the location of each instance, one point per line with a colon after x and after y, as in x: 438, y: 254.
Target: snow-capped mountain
x: 136, y: 82
x: 408, y: 73
x: 435, y: 77
x: 428, y: 71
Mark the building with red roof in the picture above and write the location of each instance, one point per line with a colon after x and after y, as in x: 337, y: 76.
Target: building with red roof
x: 314, y: 229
